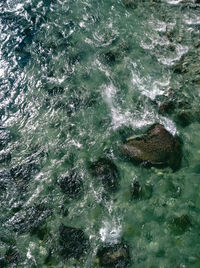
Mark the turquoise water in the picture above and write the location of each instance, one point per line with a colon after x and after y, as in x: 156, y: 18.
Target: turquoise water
x: 76, y: 77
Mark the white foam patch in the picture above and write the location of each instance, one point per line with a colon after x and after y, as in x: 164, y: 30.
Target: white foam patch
x: 2, y: 72
x: 180, y: 51
x: 174, y: 2
x: 120, y: 117
x: 142, y: 84
x: 192, y: 19
x: 15, y: 5
x: 29, y: 254
x: 110, y: 232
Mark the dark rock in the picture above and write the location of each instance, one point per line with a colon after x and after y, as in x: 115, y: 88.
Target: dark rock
x: 136, y: 190
x: 189, y: 66
x: 140, y: 192
x: 73, y: 242
x: 5, y: 137
x: 179, y: 68
x: 155, y: 148
x: 28, y: 219
x: 114, y: 256
x: 55, y: 90
x: 180, y: 225
x: 71, y: 184
x: 166, y: 107
x: 3, y: 262
x: 73, y: 105
x: 184, y: 118
x: 130, y: 3
x: 5, y: 178
x: 107, y: 172
x: 5, y: 157
x: 11, y: 256
x: 23, y: 172
x: 5, y: 175
x: 41, y: 232
x: 64, y: 211
x: 134, y: 3
x: 109, y: 57
x: 181, y: 111
x: 51, y: 260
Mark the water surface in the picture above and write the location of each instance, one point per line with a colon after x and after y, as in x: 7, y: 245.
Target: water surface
x: 75, y: 77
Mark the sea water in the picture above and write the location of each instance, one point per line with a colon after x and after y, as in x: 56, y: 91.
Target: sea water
x: 76, y: 77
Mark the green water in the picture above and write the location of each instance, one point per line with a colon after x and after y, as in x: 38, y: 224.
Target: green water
x: 75, y: 78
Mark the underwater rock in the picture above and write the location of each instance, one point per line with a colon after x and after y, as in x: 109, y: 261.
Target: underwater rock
x: 136, y: 190
x: 5, y: 137
x: 5, y: 157
x: 156, y: 148
x: 134, y: 3
x: 5, y: 178
x: 3, y: 262
x: 109, y: 57
x: 41, y: 232
x: 114, y: 256
x: 166, y: 107
x: 29, y: 219
x: 105, y: 170
x: 140, y: 192
x: 129, y: 3
x: 181, y: 111
x: 189, y: 66
x: 184, y: 118
x: 73, y: 242
x: 77, y: 100
x: 180, y: 225
x: 55, y: 90
x: 23, y: 172
x: 11, y: 256
x: 71, y: 184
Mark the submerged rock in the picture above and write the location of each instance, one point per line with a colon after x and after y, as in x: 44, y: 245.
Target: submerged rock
x: 11, y: 257
x: 129, y: 3
x: 114, y: 256
x: 5, y: 157
x: 71, y: 184
x: 157, y: 148
x: 177, y: 106
x: 105, y: 170
x: 134, y: 3
x: 55, y: 90
x: 23, y: 172
x: 29, y: 219
x: 110, y: 57
x: 4, y: 137
x: 180, y: 225
x: 185, y: 118
x: 5, y: 179
x: 73, y: 242
x: 166, y: 107
x: 140, y: 192
x: 41, y: 232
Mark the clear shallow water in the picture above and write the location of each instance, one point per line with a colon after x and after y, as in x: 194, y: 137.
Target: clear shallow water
x: 74, y: 76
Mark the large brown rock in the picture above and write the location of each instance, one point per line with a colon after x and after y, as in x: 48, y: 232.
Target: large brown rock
x: 157, y: 147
